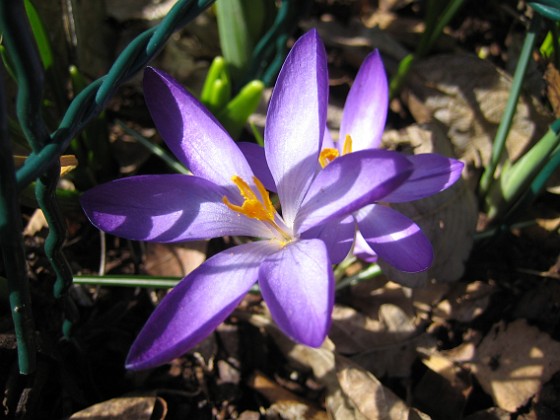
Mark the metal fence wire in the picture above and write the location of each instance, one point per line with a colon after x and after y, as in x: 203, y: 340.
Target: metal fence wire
x: 42, y: 166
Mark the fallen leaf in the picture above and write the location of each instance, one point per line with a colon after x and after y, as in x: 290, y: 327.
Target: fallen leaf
x: 124, y: 10
x: 385, y: 346
x: 36, y: 223
x: 552, y: 78
x: 465, y: 302
x: 438, y: 397
x: 284, y: 402
x: 369, y: 396
x: 352, y: 392
x: 493, y: 413
x: 176, y: 260
x: 468, y: 95
x: 514, y: 361
x: 137, y: 408
x: 67, y: 163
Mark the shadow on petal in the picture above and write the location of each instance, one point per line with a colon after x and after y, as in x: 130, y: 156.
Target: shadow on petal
x: 395, y: 238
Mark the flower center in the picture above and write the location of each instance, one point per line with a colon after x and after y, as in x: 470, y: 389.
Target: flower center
x: 329, y: 154
x: 254, y: 207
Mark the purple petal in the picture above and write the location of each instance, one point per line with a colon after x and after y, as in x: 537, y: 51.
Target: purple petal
x: 337, y: 235
x: 192, y: 133
x: 328, y: 142
x: 362, y: 250
x: 257, y: 160
x: 165, y: 208
x: 432, y: 173
x: 366, y: 106
x: 349, y: 183
x: 295, y: 121
x: 197, y: 305
x: 297, y: 284
x: 395, y: 238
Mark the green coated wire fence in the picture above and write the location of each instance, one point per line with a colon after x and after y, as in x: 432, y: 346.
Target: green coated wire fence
x: 42, y: 166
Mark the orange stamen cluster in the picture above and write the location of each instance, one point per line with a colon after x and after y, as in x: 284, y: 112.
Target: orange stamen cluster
x: 329, y: 154
x: 252, y: 207
x: 261, y: 209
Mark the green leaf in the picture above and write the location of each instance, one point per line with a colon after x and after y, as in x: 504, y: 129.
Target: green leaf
x: 516, y: 179
x: 40, y: 35
x: 240, y: 24
x: 234, y: 116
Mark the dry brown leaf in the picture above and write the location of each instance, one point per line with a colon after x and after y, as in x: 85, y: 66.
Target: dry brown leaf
x: 177, y: 259
x: 448, y: 219
x: 284, y: 402
x: 124, y: 10
x: 384, y: 346
x: 514, y: 361
x: 137, y: 408
x: 468, y: 95
x: 438, y: 397
x: 552, y: 78
x: 328, y: 369
x: 465, y: 302
x: 449, y: 365
x: 36, y: 222
x: 493, y: 413
x: 369, y: 396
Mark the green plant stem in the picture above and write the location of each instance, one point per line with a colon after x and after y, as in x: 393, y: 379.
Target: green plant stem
x: 128, y: 281
x: 509, y: 112
x: 506, y: 194
x: 147, y: 282
x: 369, y: 273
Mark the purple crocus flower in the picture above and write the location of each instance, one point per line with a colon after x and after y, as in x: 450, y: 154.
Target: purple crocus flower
x: 376, y: 229
x: 224, y: 197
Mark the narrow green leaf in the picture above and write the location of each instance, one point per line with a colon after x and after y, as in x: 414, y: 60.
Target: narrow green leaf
x: 235, y: 114
x: 517, y: 179
x: 40, y: 35
x: 240, y: 25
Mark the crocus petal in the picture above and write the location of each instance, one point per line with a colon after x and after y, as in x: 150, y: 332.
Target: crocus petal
x: 362, y: 250
x: 328, y: 142
x: 192, y: 133
x: 257, y: 160
x: 197, y: 305
x: 165, y: 208
x: 432, y: 173
x: 298, y: 286
x: 350, y: 182
x: 395, y: 238
x: 337, y: 235
x: 296, y: 120
x: 365, y: 110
